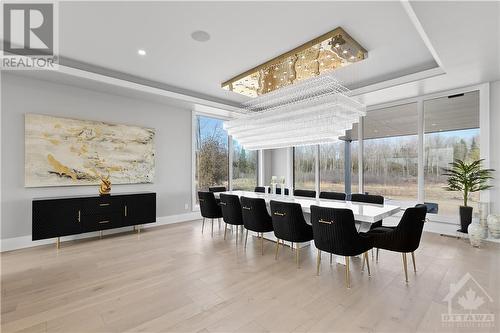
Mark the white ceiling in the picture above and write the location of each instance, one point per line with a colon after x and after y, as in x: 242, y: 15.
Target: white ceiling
x: 466, y: 37
x: 105, y: 37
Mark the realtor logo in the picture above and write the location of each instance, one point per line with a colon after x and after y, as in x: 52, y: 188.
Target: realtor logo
x: 29, y: 36
x: 468, y: 305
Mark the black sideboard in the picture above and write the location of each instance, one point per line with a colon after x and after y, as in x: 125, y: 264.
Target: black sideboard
x: 63, y: 216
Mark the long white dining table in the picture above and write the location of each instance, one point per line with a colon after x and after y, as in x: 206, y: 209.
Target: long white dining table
x: 364, y: 213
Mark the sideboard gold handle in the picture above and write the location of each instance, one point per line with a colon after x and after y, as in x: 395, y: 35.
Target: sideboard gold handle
x: 325, y: 222
x: 105, y: 221
x: 104, y: 204
x: 125, y: 210
x: 79, y: 216
x: 279, y: 214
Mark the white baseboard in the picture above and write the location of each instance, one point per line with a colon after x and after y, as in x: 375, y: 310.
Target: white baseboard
x: 22, y: 242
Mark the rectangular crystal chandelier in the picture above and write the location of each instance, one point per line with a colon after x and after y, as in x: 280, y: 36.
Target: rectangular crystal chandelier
x: 314, y: 111
x: 323, y: 54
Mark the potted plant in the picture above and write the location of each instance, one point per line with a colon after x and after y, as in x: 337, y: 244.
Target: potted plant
x: 467, y: 178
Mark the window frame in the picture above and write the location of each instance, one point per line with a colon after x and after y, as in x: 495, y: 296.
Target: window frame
x: 230, y: 146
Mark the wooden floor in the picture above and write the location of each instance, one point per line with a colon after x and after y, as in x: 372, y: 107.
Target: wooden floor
x: 174, y: 279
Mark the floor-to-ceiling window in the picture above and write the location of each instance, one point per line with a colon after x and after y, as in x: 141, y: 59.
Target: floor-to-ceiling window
x: 390, y: 155
x: 332, y: 166
x: 451, y: 132
x: 304, y: 158
x: 244, y: 168
x: 211, y: 155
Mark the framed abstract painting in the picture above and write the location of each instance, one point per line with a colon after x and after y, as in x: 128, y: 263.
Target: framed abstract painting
x: 64, y: 152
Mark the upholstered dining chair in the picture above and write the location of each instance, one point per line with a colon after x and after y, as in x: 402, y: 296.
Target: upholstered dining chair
x: 256, y: 218
x: 305, y: 193
x: 332, y: 195
x: 335, y: 232
x: 403, y: 238
x: 369, y: 198
x: 209, y: 208
x: 289, y: 225
x: 217, y: 189
x: 231, y: 212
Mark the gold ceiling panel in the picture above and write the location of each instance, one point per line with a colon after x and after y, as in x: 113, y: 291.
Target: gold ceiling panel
x: 325, y: 53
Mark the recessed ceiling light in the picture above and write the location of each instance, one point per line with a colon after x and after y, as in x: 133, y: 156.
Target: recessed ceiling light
x: 200, y: 36
x: 141, y: 52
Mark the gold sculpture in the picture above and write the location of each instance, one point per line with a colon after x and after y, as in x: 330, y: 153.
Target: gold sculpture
x: 105, y: 187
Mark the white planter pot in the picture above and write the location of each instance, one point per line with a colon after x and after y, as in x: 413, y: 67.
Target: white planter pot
x: 475, y: 234
x: 494, y: 225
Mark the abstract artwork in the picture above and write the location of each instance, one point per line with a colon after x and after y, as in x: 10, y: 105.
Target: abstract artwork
x: 61, y: 152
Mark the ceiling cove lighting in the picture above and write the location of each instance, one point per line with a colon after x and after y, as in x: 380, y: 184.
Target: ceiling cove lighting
x: 323, y: 54
x: 313, y: 111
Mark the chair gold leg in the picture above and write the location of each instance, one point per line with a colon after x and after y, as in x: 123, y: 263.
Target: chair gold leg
x: 262, y: 243
x: 297, y: 255
x: 277, y: 249
x: 212, y: 227
x: 347, y: 277
x: 291, y: 246
x: 363, y: 263
x: 202, y: 225
x: 372, y: 254
x: 318, y: 262
x: 414, y: 263
x: 331, y: 258
x: 236, y: 234
x: 367, y: 263
x: 225, y: 230
x: 246, y: 238
x: 218, y: 220
x: 58, y: 243
x: 377, y: 253
x: 405, y: 266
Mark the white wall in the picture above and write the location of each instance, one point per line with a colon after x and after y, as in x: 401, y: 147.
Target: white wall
x: 495, y: 144
x: 22, y: 95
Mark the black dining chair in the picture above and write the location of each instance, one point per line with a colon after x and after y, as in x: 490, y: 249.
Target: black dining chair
x: 209, y: 208
x: 256, y: 218
x: 217, y: 189
x: 369, y: 198
x: 305, y: 193
x: 403, y: 238
x: 332, y: 195
x: 260, y: 189
x: 231, y: 212
x: 335, y: 232
x: 278, y: 191
x: 289, y: 225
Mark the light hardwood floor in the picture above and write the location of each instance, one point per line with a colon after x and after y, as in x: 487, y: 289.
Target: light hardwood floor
x: 175, y: 279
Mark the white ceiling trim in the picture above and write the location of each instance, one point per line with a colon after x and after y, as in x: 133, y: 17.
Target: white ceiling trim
x: 416, y: 23
x: 142, y: 88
